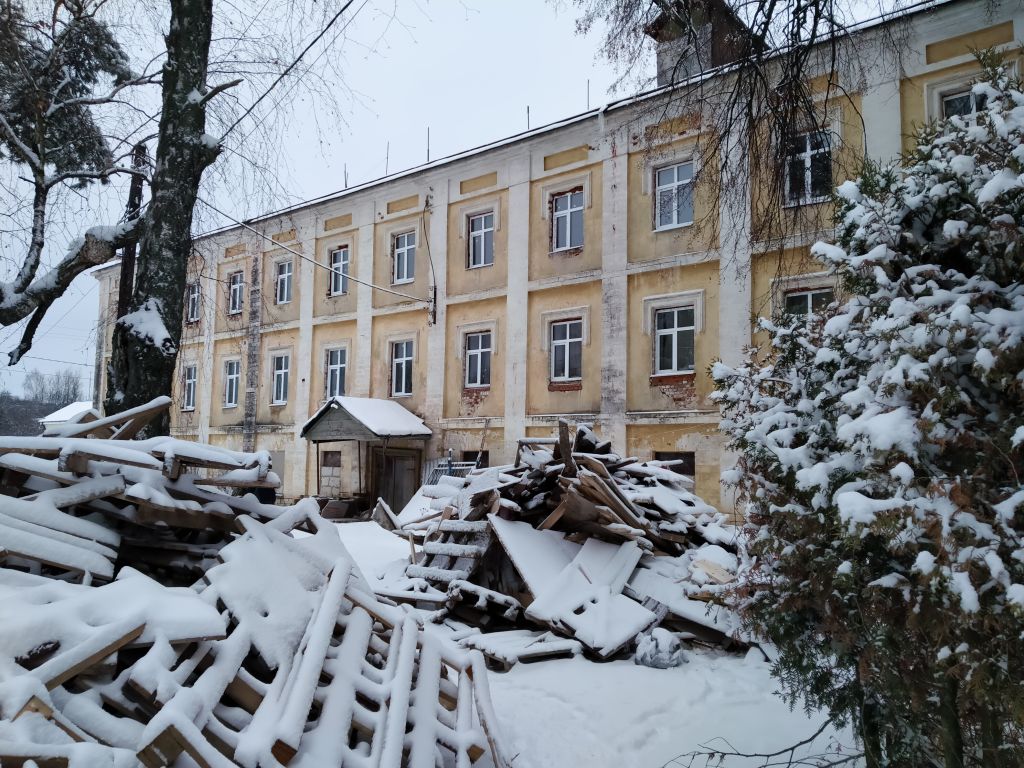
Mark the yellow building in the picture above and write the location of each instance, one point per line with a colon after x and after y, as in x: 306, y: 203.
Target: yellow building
x: 498, y: 290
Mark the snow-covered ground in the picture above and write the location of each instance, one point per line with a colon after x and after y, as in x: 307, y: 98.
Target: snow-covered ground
x: 573, y: 712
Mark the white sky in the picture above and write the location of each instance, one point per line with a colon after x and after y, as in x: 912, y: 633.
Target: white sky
x: 465, y: 68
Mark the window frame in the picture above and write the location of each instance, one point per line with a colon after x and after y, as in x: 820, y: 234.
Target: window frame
x: 286, y: 278
x: 567, y: 215
x: 283, y: 373
x: 473, y: 236
x: 477, y: 353
x: 809, y: 292
x: 228, y: 378
x: 232, y: 286
x: 341, y: 366
x: 657, y: 333
x: 340, y: 271
x: 407, y: 361
x: 409, y: 274
x: 806, y: 155
x: 675, y: 187
x: 193, y: 300
x: 189, y: 385
x: 566, y: 342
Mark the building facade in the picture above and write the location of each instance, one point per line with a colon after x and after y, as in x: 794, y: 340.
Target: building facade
x: 573, y: 271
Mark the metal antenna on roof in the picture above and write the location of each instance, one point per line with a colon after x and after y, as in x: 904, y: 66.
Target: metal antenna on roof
x: 428, y: 143
x: 346, y: 175
x: 527, y: 117
x: 588, y: 93
x: 387, y: 156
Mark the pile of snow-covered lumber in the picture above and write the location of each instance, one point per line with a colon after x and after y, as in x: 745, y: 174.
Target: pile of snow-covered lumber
x: 148, y: 615
x: 573, y: 548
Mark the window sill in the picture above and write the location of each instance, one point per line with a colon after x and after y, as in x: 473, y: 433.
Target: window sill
x: 282, y: 303
x: 400, y: 395
x: 479, y: 266
x: 808, y: 201
x: 468, y: 388
x: 229, y: 407
x: 673, y: 227
x: 682, y: 377
x: 565, y: 386
x: 188, y: 410
x: 235, y: 313
x: 403, y: 282
x: 194, y: 321
x: 278, y: 405
x: 566, y: 251
x: 337, y: 295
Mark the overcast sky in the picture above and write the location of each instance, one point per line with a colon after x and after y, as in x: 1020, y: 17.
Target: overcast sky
x: 468, y: 69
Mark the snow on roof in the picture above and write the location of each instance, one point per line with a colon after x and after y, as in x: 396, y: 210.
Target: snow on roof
x: 67, y: 413
x: 379, y: 418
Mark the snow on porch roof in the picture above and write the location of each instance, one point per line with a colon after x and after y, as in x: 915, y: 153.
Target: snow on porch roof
x: 67, y: 413
x: 362, y: 418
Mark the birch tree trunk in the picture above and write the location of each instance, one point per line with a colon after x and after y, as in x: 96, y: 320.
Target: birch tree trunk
x: 146, y: 340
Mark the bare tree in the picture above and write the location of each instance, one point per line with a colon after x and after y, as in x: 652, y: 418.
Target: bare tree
x: 60, y: 388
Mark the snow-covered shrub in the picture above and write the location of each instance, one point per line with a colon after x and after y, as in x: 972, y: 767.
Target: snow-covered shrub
x: 881, y: 454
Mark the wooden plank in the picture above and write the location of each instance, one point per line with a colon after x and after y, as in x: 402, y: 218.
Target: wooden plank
x: 565, y: 449
x: 55, y: 673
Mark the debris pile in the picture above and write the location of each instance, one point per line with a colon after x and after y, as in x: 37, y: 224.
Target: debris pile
x: 572, y: 549
x: 147, y: 616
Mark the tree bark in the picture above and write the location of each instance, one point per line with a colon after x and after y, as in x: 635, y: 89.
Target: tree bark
x: 142, y: 367
x: 949, y: 715
x: 870, y: 732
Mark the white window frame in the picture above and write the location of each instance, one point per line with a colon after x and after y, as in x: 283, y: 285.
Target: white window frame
x: 675, y: 188
x: 937, y: 91
x: 810, y: 281
x: 341, y: 263
x: 480, y: 237
x: 229, y: 378
x: 805, y: 155
x: 279, y: 377
x: 567, y: 215
x: 409, y: 355
x: 193, y: 299
x: 340, y: 366
x: 189, y: 376
x: 564, y: 376
x: 809, y: 293
x: 403, y: 256
x: 283, y: 272
x: 478, y: 355
x: 658, y: 333
x: 236, y: 292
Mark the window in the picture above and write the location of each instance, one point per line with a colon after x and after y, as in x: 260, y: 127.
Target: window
x: 478, y: 359
x: 188, y: 400
x: 401, y: 368
x: 280, y: 364
x: 481, y: 240
x: 482, y: 458
x: 334, y: 372
x: 192, y: 302
x: 686, y: 461
x: 284, y: 282
x: 673, y: 196
x: 232, y: 377
x: 673, y: 340
x: 964, y: 103
x: 567, y: 220
x: 339, y: 271
x: 235, y: 295
x: 567, y: 350
x: 404, y: 248
x: 808, y: 168
x: 809, y: 302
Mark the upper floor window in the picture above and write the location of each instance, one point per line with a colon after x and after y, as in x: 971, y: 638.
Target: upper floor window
x: 334, y: 372
x: 481, y: 240
x: 339, y: 271
x: 964, y: 103
x: 192, y: 302
x: 567, y: 350
x: 673, y: 340
x: 283, y: 292
x: 673, y: 195
x: 232, y: 378
x: 478, y: 359
x: 188, y: 399
x: 280, y: 364
x: 404, y: 251
x: 401, y: 368
x: 567, y: 220
x: 808, y: 168
x: 236, y: 286
x: 809, y: 302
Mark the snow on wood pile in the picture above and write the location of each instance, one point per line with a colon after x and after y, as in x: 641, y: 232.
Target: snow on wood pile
x: 146, y: 615
x: 578, y: 541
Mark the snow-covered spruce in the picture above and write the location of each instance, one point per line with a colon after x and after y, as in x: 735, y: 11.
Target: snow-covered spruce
x: 881, y: 454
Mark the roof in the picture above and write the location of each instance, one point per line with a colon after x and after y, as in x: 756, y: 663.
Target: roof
x: 363, y: 418
x: 67, y: 413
